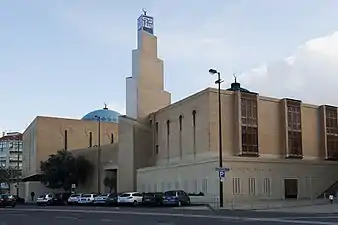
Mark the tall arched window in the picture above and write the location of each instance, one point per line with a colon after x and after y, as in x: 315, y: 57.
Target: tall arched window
x: 180, y: 120
x: 168, y: 139
x: 194, y: 131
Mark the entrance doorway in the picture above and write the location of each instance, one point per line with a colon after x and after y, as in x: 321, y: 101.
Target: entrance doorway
x: 291, y: 188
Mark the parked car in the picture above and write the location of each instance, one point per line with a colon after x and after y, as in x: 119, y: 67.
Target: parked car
x: 101, y: 199
x: 61, y: 198
x: 130, y: 198
x: 176, y: 197
x: 87, y: 199
x: 7, y: 200
x: 18, y: 199
x: 74, y: 199
x: 152, y: 198
x: 45, y: 199
x: 112, y: 199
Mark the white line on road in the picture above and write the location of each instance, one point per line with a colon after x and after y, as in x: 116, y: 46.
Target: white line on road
x: 279, y: 220
x: 66, y: 217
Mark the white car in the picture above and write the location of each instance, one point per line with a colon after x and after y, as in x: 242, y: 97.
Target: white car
x: 45, y: 199
x: 133, y: 198
x: 74, y: 199
x: 87, y: 199
x: 101, y: 199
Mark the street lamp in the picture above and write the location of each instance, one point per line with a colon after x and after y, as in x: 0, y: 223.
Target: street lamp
x: 98, y: 154
x: 220, y: 156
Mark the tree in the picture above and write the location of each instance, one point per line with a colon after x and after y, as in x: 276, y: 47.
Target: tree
x: 9, y: 175
x: 110, y: 182
x: 62, y: 169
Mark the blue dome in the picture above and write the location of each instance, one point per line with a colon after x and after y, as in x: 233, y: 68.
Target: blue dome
x: 105, y: 114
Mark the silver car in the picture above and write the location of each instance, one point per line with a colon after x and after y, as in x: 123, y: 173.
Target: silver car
x: 74, y: 199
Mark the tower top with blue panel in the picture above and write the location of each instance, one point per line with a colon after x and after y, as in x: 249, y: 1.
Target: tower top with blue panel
x: 145, y: 23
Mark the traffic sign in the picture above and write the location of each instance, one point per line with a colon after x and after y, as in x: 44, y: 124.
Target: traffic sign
x: 222, y: 169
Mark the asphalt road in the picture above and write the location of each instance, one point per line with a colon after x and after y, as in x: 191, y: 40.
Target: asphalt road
x: 152, y: 216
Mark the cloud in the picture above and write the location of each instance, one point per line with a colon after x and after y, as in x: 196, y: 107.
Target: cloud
x: 310, y: 74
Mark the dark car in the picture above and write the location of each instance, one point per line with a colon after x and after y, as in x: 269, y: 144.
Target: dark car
x: 176, y: 197
x: 18, y: 199
x: 7, y: 200
x: 152, y: 198
x: 61, y: 198
x: 112, y: 199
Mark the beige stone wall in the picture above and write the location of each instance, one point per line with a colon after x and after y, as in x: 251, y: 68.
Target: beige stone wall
x: 49, y: 137
x: 108, y: 161
x: 170, y: 152
x: 272, y: 128
x: 313, y: 178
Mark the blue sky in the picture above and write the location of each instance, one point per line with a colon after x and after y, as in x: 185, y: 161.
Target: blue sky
x: 65, y: 58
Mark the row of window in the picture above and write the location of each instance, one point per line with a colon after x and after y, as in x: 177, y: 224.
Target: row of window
x: 180, y: 128
x: 252, y: 186
x: 90, y: 144
x: 202, y: 186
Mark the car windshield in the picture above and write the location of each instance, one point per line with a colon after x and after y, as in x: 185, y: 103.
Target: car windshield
x: 125, y: 195
x: 75, y: 195
x: 149, y: 194
x: 104, y: 195
x: 170, y: 193
x: 87, y: 196
x: 3, y: 196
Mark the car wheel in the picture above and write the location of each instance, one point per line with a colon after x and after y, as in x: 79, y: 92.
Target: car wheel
x: 189, y: 202
x: 135, y: 203
x: 13, y: 205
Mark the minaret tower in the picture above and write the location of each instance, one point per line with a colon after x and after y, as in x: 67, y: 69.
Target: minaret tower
x: 145, y: 88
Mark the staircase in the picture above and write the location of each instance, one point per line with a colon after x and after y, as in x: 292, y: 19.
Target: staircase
x: 333, y: 189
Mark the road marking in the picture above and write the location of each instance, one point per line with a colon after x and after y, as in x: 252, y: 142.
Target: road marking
x: 13, y: 214
x: 66, y: 217
x: 279, y: 220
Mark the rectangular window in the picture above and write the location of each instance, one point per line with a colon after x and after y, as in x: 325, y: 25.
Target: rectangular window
x: 156, y: 127
x: 252, y: 186
x: 66, y: 140
x: 249, y: 124
x: 163, y: 186
x: 295, y: 147
x: 236, y: 186
x: 90, y: 139
x: 112, y: 139
x: 266, y: 186
x: 169, y: 186
x: 205, y: 186
x: 177, y: 185
x: 195, y: 186
x: 331, y: 132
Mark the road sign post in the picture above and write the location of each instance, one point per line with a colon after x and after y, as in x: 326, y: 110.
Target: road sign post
x: 222, y: 173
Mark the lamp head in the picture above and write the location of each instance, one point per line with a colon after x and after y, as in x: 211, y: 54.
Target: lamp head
x: 213, y: 71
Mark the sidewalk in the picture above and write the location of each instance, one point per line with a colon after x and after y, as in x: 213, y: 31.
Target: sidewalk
x: 270, y: 204
x: 327, y: 208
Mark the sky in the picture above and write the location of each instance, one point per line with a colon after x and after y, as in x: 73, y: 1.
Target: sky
x: 65, y: 58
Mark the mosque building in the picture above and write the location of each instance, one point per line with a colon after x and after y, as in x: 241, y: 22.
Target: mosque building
x: 272, y: 148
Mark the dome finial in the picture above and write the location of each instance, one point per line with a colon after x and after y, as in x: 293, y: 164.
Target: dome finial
x: 105, y: 106
x: 235, y: 76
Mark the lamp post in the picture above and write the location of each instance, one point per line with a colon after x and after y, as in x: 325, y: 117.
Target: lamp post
x: 220, y: 156
x: 98, y: 154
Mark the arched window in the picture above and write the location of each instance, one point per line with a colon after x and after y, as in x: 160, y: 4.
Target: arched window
x: 180, y: 118
x: 168, y: 139
x: 194, y: 131
x: 180, y: 122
